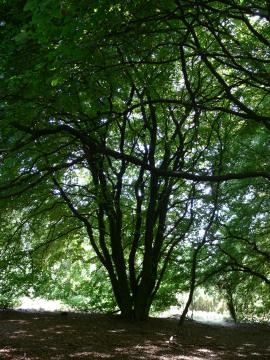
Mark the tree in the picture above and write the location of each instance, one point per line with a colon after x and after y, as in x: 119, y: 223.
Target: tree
x: 112, y: 115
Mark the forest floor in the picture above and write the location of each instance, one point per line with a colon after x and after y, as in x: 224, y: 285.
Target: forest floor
x: 56, y: 336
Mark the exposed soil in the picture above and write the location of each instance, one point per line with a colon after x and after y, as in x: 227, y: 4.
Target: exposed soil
x: 40, y: 336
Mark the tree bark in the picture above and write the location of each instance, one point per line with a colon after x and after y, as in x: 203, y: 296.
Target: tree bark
x: 192, y: 286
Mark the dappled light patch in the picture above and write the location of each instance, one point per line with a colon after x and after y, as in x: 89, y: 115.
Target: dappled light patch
x: 19, y: 322
x: 206, y: 351
x: 6, y: 350
x: 184, y: 357
x: 118, y: 331
x: 91, y: 354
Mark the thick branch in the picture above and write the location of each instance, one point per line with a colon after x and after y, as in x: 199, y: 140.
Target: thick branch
x: 98, y: 148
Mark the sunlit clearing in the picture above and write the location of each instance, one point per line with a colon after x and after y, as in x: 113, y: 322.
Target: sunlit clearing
x: 39, y: 304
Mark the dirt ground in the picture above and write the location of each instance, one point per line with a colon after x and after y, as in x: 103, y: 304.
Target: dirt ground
x: 40, y: 336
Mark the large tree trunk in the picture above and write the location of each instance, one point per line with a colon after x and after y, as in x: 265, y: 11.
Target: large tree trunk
x: 133, y: 308
x: 143, y: 298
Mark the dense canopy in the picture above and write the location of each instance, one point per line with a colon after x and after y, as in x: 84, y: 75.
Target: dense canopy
x: 135, y: 152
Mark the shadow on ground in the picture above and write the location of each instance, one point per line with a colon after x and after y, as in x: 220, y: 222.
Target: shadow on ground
x: 55, y: 336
